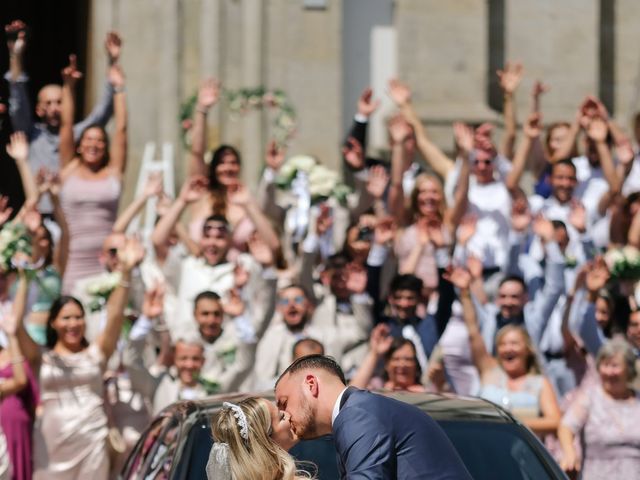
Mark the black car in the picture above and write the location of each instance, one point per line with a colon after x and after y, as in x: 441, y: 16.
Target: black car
x: 492, y: 444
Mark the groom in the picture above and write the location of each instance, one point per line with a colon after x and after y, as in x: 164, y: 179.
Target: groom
x: 376, y: 437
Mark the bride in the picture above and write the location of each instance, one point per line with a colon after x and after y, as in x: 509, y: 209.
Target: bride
x: 252, y: 438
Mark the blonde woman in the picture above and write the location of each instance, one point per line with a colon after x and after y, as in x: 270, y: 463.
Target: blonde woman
x: 251, y: 443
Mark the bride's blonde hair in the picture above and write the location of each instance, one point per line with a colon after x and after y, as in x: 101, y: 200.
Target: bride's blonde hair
x: 258, y: 457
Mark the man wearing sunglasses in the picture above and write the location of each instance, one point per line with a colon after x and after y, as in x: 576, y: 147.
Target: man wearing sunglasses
x: 275, y: 349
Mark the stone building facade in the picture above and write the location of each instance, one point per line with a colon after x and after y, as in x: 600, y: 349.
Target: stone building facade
x: 323, y: 52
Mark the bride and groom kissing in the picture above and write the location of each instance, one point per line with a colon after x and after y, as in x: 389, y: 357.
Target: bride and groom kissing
x: 375, y: 437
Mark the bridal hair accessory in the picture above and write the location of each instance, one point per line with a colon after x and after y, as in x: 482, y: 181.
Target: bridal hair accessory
x: 241, y: 419
x: 218, y: 465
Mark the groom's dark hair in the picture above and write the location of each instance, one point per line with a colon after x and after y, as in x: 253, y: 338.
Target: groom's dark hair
x: 321, y: 362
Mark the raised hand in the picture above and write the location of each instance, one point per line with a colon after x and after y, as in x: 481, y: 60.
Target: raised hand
x: 208, y: 94
x: 233, y: 304
x: 539, y: 89
x: 520, y: 215
x: 153, y: 187
x: 274, y: 157
x: 467, y: 228
x: 324, y: 220
x: 16, y: 33
x: 533, y: 126
x: 377, y: 181
x: 153, y: 303
x: 384, y: 231
x: 240, y: 276
x: 353, y: 154
x: 366, y: 104
x: 5, y: 210
x: 113, y: 46
x: 475, y: 267
x: 597, y: 275
x: 543, y: 228
x: 131, y: 254
x: 18, y: 148
x: 624, y: 152
x: 597, y: 130
x: 260, y: 251
x: 194, y: 189
x: 70, y: 73
x: 464, y: 137
x: 380, y: 340
x: 458, y: 276
x: 116, y: 76
x: 356, y: 278
x: 399, y: 129
x: 578, y: 216
x: 510, y: 77
x: 399, y: 92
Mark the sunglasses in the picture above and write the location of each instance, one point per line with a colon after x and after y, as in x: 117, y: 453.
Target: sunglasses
x: 484, y: 162
x: 298, y: 300
x: 223, y: 229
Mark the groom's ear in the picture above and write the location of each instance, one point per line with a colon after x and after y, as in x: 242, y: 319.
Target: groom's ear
x: 311, y: 384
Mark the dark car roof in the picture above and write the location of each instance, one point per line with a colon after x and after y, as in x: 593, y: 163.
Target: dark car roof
x: 440, y: 406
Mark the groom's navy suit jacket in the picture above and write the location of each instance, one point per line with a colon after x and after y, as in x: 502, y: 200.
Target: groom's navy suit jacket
x: 382, y: 438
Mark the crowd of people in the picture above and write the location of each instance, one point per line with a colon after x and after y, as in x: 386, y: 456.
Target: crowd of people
x: 436, y: 273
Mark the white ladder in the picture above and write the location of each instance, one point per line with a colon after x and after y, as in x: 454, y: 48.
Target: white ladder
x: 151, y: 165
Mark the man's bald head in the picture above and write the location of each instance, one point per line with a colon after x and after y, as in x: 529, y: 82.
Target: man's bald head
x: 49, y: 103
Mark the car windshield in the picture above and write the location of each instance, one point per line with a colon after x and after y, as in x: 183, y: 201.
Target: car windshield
x: 490, y: 450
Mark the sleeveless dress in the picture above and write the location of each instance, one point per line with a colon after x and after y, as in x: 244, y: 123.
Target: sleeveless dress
x: 70, y: 437
x: 523, y: 403
x: 90, y: 207
x: 16, y: 419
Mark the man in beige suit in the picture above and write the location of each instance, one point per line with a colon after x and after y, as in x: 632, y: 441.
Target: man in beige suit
x: 275, y: 348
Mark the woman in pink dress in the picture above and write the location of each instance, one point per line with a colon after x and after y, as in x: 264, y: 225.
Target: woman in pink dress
x: 605, y: 416
x: 70, y: 436
x: 91, y: 175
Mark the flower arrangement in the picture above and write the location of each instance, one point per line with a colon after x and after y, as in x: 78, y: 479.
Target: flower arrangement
x: 321, y: 182
x: 623, y: 263
x: 100, y: 288
x: 242, y: 101
x: 14, y: 238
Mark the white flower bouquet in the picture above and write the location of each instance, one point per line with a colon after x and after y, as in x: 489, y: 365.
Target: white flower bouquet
x: 13, y: 239
x: 321, y: 182
x: 100, y: 288
x: 623, y: 263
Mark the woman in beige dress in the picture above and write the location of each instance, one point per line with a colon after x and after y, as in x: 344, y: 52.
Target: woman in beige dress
x: 70, y: 438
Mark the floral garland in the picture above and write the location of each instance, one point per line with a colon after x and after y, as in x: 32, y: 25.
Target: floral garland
x: 242, y: 101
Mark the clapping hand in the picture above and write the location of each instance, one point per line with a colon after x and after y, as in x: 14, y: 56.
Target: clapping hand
x: 70, y: 73
x: 366, y: 104
x: 48, y: 182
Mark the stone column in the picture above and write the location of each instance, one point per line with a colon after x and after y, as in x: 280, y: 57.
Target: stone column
x: 210, y: 62
x: 252, y: 36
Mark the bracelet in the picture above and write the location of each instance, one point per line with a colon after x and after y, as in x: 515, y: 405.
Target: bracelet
x: 124, y: 284
x: 15, y: 361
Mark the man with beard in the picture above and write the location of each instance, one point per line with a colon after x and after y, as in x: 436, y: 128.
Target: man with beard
x: 275, y: 349
x: 375, y: 436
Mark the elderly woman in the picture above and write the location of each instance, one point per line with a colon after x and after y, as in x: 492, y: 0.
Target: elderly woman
x: 604, y: 418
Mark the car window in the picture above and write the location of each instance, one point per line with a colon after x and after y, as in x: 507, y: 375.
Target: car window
x: 497, y: 450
